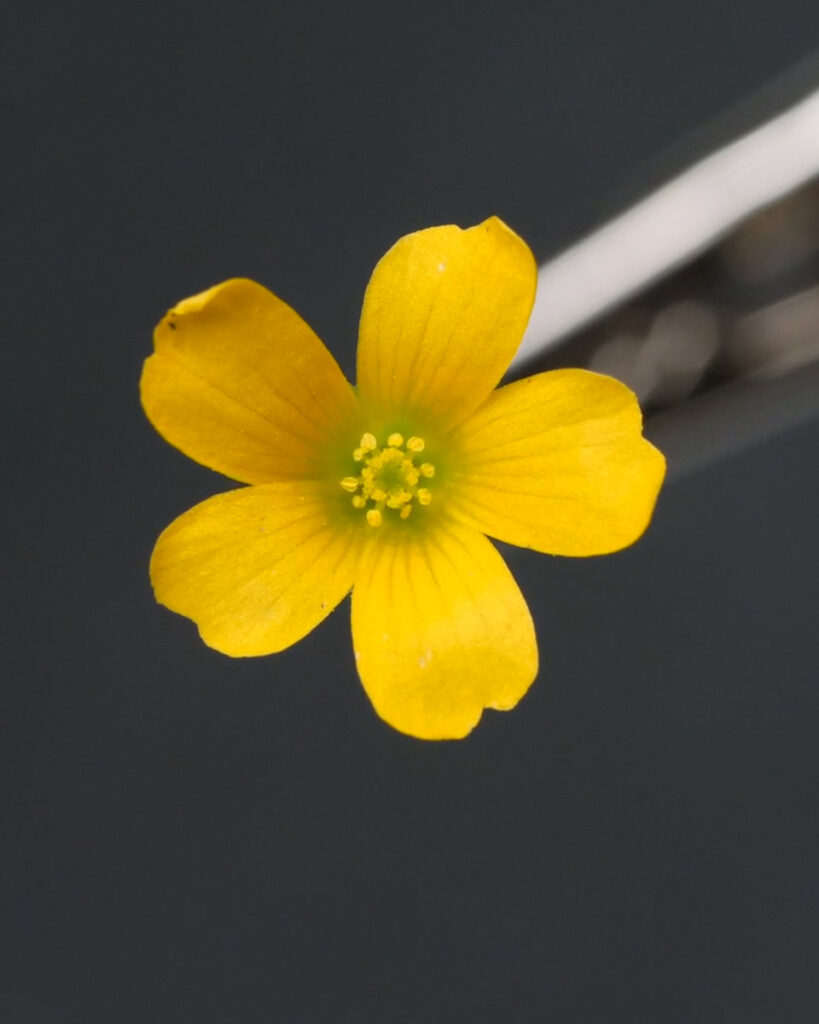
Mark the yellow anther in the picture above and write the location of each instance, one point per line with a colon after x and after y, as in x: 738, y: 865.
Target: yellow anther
x: 389, y: 477
x: 398, y: 498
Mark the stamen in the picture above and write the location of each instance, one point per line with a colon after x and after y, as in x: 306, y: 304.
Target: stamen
x: 388, y: 478
x: 398, y: 498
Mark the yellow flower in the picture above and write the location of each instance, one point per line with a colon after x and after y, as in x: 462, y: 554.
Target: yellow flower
x: 388, y: 489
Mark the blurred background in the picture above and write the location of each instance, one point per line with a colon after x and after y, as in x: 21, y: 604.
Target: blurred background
x: 186, y: 837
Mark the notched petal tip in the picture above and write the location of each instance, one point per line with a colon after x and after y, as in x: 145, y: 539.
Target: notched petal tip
x: 441, y: 632
x: 558, y: 463
x: 433, y: 733
x: 495, y: 226
x: 443, y: 315
x: 193, y: 304
x: 239, y: 382
x: 235, y: 297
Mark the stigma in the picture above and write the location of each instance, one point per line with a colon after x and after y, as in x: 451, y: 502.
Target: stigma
x: 392, y: 479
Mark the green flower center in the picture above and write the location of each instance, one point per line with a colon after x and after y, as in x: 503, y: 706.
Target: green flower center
x: 389, y: 479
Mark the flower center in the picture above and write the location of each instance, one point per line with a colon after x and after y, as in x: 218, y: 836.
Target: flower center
x: 389, y: 478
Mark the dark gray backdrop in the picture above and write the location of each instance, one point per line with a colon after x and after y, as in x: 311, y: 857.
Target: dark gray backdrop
x: 190, y: 838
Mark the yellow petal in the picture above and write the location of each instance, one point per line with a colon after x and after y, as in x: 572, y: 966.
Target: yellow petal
x: 557, y: 462
x: 440, y: 631
x: 256, y: 568
x: 443, y: 315
x: 240, y: 383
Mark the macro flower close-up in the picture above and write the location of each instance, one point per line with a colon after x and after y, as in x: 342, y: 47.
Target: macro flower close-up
x: 391, y: 489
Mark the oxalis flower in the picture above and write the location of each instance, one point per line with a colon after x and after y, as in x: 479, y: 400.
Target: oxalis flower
x: 389, y: 488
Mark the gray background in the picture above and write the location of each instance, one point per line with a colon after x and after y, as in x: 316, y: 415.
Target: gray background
x: 190, y: 838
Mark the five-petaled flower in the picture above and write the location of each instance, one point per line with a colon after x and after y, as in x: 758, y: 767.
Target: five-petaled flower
x: 389, y: 488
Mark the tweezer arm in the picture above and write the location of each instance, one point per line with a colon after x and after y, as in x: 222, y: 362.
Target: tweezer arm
x: 671, y: 226
x: 703, y: 296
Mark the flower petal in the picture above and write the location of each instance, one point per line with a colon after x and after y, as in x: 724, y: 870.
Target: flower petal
x: 240, y: 383
x: 440, y: 631
x: 557, y: 462
x: 256, y: 568
x: 443, y: 315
